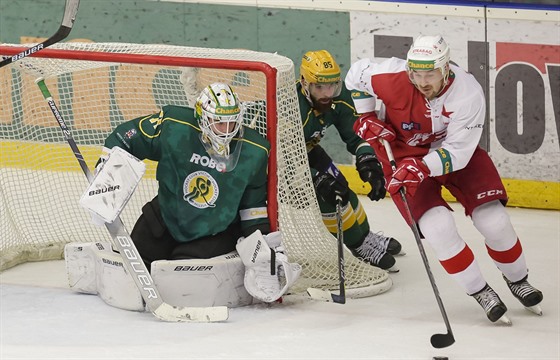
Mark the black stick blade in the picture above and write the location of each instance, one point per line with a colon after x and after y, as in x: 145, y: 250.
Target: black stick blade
x: 442, y: 340
x: 325, y: 295
x: 339, y: 299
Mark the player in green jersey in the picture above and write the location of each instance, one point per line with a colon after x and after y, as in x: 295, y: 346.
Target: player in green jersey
x: 212, y: 195
x: 325, y: 101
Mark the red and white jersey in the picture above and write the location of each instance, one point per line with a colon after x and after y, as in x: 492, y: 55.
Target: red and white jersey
x: 444, y: 132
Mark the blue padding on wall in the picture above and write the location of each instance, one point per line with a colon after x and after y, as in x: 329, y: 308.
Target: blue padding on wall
x: 520, y: 4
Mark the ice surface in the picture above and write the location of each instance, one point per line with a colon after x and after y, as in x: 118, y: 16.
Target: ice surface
x: 40, y: 318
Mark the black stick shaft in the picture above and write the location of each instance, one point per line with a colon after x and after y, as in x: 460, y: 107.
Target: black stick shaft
x: 68, y: 18
x: 414, y: 226
x: 341, y: 298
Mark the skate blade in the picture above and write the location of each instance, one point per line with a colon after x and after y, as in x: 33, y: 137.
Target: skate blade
x: 536, y: 309
x: 504, y: 320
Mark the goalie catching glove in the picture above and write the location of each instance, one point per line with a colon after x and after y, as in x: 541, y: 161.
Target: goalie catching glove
x: 268, y: 274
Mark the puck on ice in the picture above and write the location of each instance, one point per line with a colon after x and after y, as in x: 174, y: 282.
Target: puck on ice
x: 440, y: 358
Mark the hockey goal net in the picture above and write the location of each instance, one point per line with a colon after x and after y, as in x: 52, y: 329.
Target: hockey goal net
x: 100, y: 85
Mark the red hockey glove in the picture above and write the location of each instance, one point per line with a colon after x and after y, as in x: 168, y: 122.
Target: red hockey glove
x: 409, y: 175
x: 371, y: 129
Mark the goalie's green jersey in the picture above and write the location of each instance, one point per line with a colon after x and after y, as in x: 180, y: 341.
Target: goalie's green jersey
x: 196, y: 199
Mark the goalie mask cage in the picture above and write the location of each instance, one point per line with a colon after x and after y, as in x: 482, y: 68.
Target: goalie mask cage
x: 100, y: 85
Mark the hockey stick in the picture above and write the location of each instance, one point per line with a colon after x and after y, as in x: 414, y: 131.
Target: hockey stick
x: 70, y: 10
x: 131, y: 257
x: 438, y: 340
x: 325, y: 295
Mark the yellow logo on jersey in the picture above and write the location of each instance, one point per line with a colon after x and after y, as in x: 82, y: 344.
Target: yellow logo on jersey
x: 445, y: 158
x: 200, y: 190
x: 157, y: 121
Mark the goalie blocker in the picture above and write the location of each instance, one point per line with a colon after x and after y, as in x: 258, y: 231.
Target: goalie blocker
x: 114, y: 183
x: 232, y: 280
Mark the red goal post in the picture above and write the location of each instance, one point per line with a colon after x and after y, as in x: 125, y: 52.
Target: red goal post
x: 99, y: 85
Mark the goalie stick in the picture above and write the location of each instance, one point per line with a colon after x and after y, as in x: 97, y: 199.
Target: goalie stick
x: 438, y: 340
x: 70, y: 10
x: 325, y: 295
x: 131, y: 257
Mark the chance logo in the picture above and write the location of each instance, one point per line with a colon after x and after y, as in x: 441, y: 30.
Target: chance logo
x: 200, y: 190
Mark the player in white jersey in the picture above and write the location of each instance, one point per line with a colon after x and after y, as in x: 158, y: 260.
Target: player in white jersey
x: 432, y: 113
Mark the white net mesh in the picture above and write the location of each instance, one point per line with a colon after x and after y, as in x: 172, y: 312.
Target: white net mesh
x: 41, y: 181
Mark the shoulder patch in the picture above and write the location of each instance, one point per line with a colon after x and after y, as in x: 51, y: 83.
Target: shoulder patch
x: 360, y: 95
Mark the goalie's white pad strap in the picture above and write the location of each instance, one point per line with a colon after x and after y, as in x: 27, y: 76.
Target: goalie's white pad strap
x: 94, y: 268
x: 202, y: 282
x: 113, y: 185
x: 262, y: 280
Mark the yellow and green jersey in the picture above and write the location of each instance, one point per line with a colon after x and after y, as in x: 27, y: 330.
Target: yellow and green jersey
x: 342, y: 115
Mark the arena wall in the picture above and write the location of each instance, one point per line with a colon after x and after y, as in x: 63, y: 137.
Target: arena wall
x: 514, y: 52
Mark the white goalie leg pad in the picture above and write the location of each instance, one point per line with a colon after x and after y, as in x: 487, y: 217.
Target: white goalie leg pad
x: 94, y: 268
x: 263, y: 280
x: 79, y: 260
x: 202, y: 282
x: 113, y: 185
x: 115, y: 285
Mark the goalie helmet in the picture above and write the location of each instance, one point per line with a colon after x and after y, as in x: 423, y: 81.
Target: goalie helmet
x: 429, y: 53
x: 320, y: 77
x: 219, y: 115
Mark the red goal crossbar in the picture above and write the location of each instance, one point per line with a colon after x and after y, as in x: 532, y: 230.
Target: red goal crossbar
x: 209, y: 63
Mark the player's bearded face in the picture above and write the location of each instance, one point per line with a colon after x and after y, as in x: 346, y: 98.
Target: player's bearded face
x: 429, y: 83
x: 322, y: 95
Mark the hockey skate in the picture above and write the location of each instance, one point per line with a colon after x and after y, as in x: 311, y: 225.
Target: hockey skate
x: 374, y: 252
x: 492, y: 304
x: 527, y: 295
x: 389, y: 244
